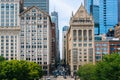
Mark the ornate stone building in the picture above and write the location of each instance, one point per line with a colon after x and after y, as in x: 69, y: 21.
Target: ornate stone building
x: 9, y: 29
x: 80, y: 40
x: 35, y: 38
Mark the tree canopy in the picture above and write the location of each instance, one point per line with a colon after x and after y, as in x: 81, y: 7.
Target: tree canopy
x: 2, y: 59
x: 20, y: 70
x: 107, y: 69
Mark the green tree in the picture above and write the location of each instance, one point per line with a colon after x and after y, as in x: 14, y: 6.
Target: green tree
x: 87, y: 72
x: 20, y: 70
x: 2, y: 59
x: 107, y: 69
x: 35, y: 71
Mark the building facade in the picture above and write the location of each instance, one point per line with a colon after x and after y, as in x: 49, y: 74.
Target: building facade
x: 114, y: 46
x: 53, y: 50
x: 42, y: 4
x: 9, y: 29
x: 117, y: 31
x: 105, y: 45
x: 80, y: 40
x: 64, y: 32
x: 35, y: 38
x: 101, y: 48
x: 54, y: 18
x: 108, y: 14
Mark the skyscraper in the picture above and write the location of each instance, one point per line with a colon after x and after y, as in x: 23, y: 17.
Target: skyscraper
x: 92, y: 7
x: 42, y: 4
x: 118, y: 10
x: 54, y: 18
x: 80, y: 40
x: 9, y: 29
x: 108, y: 14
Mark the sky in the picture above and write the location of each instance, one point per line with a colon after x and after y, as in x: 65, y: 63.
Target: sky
x: 64, y: 9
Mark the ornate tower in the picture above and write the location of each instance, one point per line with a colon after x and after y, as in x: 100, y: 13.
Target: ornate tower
x: 80, y: 40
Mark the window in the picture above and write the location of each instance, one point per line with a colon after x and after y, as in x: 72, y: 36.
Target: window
x: 11, y: 54
x: 2, y: 40
x: 45, y: 18
x: 7, y: 36
x: 34, y: 10
x: 85, y: 35
x: 98, y: 52
x: 97, y: 48
x: 2, y: 5
x: 85, y: 45
x: 45, y: 38
x: 74, y: 40
x: 2, y: 54
x: 85, y: 60
x: 33, y: 18
x: 80, y: 45
x: 97, y: 44
x: 90, y: 45
x: 7, y: 6
x: 45, y: 26
x: 12, y: 6
x: 6, y: 54
x: 104, y: 44
x: 74, y: 32
x: 22, y: 18
x: 2, y: 36
x: 45, y: 46
x: 45, y: 62
x: 39, y: 26
x: 74, y: 45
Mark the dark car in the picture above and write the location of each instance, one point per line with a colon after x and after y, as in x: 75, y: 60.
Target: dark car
x: 64, y: 77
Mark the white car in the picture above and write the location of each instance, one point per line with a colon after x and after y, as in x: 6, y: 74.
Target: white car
x: 48, y: 79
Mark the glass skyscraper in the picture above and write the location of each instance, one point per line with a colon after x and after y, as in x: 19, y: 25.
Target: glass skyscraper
x: 92, y: 7
x: 118, y: 10
x: 54, y: 18
x: 42, y: 4
x: 108, y: 15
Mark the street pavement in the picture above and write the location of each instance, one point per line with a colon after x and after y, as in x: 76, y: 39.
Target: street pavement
x: 58, y: 78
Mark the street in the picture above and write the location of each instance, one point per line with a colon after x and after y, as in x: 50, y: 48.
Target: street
x: 58, y: 78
